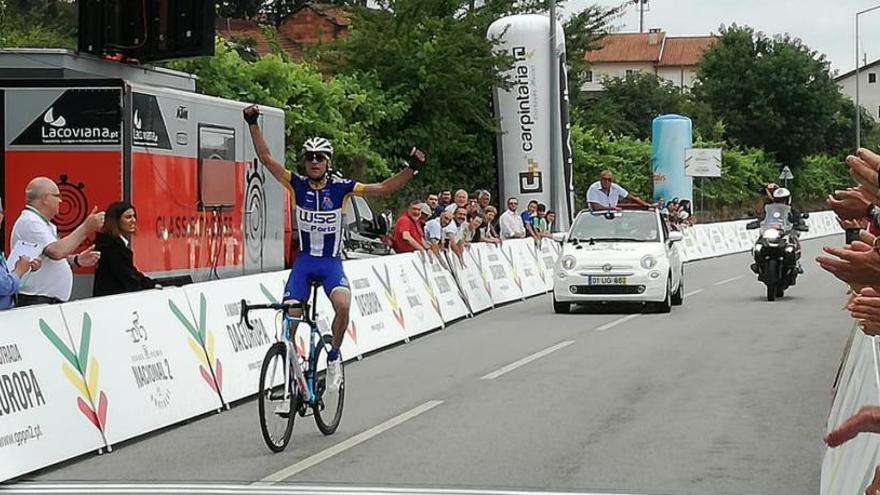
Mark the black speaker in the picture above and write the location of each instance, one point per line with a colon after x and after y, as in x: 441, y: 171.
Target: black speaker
x: 146, y: 30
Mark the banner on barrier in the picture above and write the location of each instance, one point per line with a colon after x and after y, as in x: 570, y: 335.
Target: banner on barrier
x: 47, y: 414
x: 412, y: 303
x: 238, y: 350
x: 549, y: 254
x: 704, y: 240
x: 850, y: 467
x: 470, y: 279
x: 524, y: 264
x: 151, y: 363
x: 497, y: 270
x: 452, y: 306
x: 373, y: 321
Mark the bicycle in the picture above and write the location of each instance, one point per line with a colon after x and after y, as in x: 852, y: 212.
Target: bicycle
x: 298, y: 385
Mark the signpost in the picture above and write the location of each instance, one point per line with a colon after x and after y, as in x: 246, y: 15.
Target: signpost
x: 702, y: 163
x: 785, y: 176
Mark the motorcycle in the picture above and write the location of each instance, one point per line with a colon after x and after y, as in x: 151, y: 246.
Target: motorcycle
x: 777, y: 250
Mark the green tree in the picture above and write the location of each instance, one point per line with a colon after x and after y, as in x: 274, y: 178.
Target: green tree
x: 629, y: 105
x: 771, y: 93
x: 38, y: 23
x: 346, y: 109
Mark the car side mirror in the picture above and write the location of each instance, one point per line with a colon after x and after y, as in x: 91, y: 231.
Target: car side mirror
x: 560, y: 237
x: 754, y: 224
x: 676, y: 236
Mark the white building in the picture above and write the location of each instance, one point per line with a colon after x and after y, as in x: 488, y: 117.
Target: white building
x: 869, y: 89
x: 673, y: 58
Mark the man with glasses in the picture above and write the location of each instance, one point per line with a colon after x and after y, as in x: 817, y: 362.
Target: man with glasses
x: 53, y: 283
x: 512, y: 226
x: 318, y: 198
x: 604, y: 194
x: 10, y: 280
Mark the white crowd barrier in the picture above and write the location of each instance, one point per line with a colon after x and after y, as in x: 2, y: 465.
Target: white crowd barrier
x: 85, y: 375
x: 719, y: 239
x: 849, y: 469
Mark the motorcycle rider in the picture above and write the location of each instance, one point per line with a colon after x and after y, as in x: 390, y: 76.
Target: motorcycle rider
x: 782, y: 196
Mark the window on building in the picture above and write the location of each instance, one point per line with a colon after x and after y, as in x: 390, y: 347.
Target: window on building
x: 872, y: 77
x: 216, y: 167
x: 588, y: 77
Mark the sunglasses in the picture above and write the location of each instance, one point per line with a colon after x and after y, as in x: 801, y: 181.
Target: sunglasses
x: 312, y: 156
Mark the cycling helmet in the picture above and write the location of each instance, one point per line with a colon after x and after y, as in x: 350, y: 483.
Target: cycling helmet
x: 781, y: 195
x: 317, y: 145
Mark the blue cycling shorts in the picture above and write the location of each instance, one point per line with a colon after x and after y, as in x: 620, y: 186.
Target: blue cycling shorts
x: 325, y: 271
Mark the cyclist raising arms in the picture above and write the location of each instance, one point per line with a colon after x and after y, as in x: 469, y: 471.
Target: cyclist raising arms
x: 318, y: 198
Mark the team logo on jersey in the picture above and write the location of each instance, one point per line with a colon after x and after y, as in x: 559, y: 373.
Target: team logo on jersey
x: 327, y: 203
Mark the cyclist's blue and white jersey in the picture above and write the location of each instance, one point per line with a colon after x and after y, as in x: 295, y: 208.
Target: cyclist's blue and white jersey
x: 319, y: 214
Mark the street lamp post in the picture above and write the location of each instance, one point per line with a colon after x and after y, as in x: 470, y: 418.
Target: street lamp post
x: 858, y: 79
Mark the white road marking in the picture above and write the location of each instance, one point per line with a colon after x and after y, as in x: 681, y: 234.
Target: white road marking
x: 728, y: 280
x: 694, y: 292
x: 526, y: 360
x: 616, y: 322
x: 209, y: 488
x: 351, y: 442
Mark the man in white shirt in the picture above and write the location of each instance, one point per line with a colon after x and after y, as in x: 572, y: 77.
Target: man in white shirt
x: 54, y: 282
x: 435, y: 231
x: 511, y: 223
x: 605, y: 194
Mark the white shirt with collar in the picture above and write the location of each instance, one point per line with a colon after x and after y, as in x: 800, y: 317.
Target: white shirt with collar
x: 595, y: 194
x: 54, y: 278
x: 511, y: 224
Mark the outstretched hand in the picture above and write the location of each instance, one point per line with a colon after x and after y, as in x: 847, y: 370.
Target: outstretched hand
x: 251, y: 114
x: 418, y: 155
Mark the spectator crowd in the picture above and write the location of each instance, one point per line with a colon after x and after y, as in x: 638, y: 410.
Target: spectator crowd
x: 858, y: 265
x: 447, y: 221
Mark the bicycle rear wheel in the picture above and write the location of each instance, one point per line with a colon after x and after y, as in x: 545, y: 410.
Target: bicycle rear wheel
x: 328, y: 408
x: 276, y: 427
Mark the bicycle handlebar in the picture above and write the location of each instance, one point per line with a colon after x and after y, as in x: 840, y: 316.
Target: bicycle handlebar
x: 247, y: 308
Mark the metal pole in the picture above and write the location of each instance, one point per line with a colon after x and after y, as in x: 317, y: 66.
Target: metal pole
x: 556, y: 188
x: 858, y: 83
x: 641, y: 15
x: 858, y: 79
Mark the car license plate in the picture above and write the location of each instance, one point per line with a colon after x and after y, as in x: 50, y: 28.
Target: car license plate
x: 607, y: 281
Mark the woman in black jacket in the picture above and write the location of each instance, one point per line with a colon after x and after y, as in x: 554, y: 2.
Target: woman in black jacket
x: 116, y: 272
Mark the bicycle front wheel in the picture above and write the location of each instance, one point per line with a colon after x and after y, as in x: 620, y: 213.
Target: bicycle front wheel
x: 328, y: 409
x: 275, y: 407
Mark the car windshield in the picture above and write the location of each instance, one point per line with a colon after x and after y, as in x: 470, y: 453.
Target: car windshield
x: 625, y: 226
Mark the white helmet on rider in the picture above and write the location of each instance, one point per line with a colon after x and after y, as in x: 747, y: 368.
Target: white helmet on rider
x: 782, y: 195
x: 318, y: 145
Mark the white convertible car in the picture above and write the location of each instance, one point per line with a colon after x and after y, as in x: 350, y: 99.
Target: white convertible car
x: 628, y: 256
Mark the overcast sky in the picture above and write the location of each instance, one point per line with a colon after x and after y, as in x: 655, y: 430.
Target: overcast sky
x: 827, y: 26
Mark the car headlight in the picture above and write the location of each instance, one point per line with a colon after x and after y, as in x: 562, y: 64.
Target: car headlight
x: 568, y: 262
x: 770, y: 234
x: 649, y: 262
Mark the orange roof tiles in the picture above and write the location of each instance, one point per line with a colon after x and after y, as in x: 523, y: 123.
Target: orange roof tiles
x: 637, y: 47
x: 685, y: 51
x: 627, y: 47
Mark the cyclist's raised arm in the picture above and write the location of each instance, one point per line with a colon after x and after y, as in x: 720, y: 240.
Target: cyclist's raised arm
x: 415, y: 160
x: 277, y: 169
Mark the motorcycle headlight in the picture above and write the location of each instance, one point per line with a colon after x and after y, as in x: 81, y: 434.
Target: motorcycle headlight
x: 770, y: 234
x: 758, y: 247
x: 568, y: 262
x: 649, y: 262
